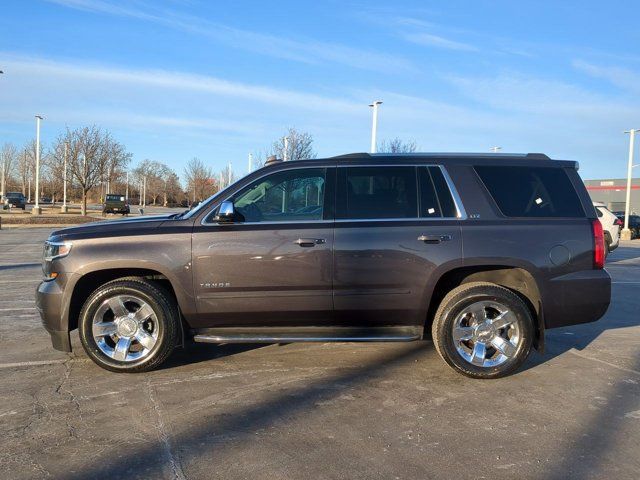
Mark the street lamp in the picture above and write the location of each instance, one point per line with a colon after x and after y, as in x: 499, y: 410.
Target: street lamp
x: 64, y: 208
x: 626, y: 233
x: 495, y: 149
x: 36, y: 210
x: 285, y: 154
x: 374, y: 126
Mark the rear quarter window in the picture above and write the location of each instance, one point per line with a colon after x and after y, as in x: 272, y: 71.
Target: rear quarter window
x: 531, y: 191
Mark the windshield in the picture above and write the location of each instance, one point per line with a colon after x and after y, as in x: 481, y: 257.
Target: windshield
x: 198, y: 208
x: 204, y: 203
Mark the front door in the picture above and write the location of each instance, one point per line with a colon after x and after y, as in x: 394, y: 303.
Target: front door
x: 273, y: 266
x: 395, y: 227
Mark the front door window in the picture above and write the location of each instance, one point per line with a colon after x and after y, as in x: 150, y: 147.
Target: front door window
x: 288, y: 196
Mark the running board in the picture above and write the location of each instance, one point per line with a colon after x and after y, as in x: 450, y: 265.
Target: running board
x: 307, y: 334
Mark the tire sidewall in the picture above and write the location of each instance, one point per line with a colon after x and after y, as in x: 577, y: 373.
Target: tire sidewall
x: 86, y: 323
x: 458, y: 303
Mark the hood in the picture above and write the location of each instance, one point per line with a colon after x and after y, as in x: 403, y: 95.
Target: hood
x: 112, y: 228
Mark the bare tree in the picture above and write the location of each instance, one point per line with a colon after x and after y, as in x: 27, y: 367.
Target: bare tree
x: 173, y: 190
x: 8, y: 159
x: 116, y: 166
x: 299, y: 146
x: 90, y: 152
x: 199, y: 180
x: 25, y: 168
x: 397, y: 145
x: 156, y: 176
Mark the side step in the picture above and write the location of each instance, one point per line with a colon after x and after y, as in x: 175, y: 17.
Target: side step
x: 307, y: 334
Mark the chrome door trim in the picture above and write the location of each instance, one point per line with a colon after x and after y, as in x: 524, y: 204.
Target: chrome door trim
x: 461, y: 213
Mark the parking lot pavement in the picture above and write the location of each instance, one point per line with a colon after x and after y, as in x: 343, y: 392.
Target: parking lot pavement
x: 317, y: 410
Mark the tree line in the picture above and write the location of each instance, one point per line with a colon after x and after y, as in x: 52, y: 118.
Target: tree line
x: 98, y: 164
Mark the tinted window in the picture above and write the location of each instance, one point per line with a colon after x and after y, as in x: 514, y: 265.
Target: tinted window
x: 290, y: 195
x: 381, y: 192
x: 435, y: 197
x: 115, y: 198
x: 532, y: 191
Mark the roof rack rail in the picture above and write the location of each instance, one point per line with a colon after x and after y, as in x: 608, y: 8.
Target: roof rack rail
x: 539, y: 156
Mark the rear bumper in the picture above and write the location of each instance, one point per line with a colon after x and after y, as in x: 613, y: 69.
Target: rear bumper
x: 49, y: 302
x: 579, y: 297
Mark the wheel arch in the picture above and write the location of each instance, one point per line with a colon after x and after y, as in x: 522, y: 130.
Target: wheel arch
x: 516, y: 278
x: 90, y: 280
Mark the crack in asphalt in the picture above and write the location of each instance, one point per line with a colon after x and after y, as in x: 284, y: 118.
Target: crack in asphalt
x: 163, y: 437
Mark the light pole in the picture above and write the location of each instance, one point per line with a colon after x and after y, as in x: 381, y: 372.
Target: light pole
x: 374, y: 126
x: 495, y: 149
x: 126, y: 192
x: 626, y: 233
x: 144, y: 192
x: 64, y: 209
x: 250, y: 163
x: 285, y: 155
x: 36, y: 210
x: 2, y: 181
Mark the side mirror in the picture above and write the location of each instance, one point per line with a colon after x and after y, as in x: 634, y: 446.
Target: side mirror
x: 226, y: 212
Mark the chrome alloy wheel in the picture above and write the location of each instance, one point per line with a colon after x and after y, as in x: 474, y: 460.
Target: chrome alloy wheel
x: 125, y: 328
x: 486, y: 334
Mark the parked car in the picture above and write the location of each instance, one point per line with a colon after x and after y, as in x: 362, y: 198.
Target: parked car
x: 15, y: 200
x: 634, y: 224
x: 353, y: 248
x: 611, y: 225
x: 115, y: 203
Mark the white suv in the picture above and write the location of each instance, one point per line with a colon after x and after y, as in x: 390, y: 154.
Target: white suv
x: 610, y: 224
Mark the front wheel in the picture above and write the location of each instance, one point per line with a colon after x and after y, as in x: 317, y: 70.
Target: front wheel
x: 129, y: 325
x: 483, y: 330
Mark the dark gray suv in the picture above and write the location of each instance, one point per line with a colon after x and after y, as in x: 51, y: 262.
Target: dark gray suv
x: 482, y: 252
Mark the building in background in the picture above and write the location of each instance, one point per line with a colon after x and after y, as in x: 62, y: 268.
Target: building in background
x: 612, y: 192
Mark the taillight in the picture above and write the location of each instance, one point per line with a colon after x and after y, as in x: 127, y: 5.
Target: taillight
x: 598, y: 244
x: 618, y: 222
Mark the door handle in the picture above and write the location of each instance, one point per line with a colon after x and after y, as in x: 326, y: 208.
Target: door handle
x: 433, y: 239
x: 310, y: 242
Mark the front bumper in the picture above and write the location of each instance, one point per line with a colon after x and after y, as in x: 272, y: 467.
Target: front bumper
x: 579, y: 297
x: 50, y: 302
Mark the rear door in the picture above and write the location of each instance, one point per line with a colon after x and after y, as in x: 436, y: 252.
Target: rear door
x: 396, y: 226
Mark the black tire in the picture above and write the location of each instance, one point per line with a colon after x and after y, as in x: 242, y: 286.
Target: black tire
x: 167, y: 319
x: 607, y: 242
x: 452, y: 307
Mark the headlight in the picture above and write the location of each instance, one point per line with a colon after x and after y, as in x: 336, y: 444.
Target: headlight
x: 53, y: 250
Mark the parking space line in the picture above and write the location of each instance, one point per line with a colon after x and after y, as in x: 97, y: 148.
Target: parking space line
x: 9, y: 282
x: 16, y: 309
x: 32, y: 364
x: 587, y: 357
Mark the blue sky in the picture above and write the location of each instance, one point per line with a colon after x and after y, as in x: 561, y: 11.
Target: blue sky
x: 218, y: 80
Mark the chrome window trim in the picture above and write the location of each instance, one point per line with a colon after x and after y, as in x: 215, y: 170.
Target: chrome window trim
x: 457, y: 201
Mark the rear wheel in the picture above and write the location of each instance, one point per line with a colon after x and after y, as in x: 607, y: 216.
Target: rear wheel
x: 129, y: 325
x: 483, y: 330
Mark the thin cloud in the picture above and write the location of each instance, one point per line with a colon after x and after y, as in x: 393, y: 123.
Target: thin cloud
x: 430, y: 40
x: 306, y: 51
x: 172, y: 80
x: 620, y: 77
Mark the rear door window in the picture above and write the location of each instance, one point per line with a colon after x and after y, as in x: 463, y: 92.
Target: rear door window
x: 531, y: 191
x: 435, y: 197
x: 381, y: 192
